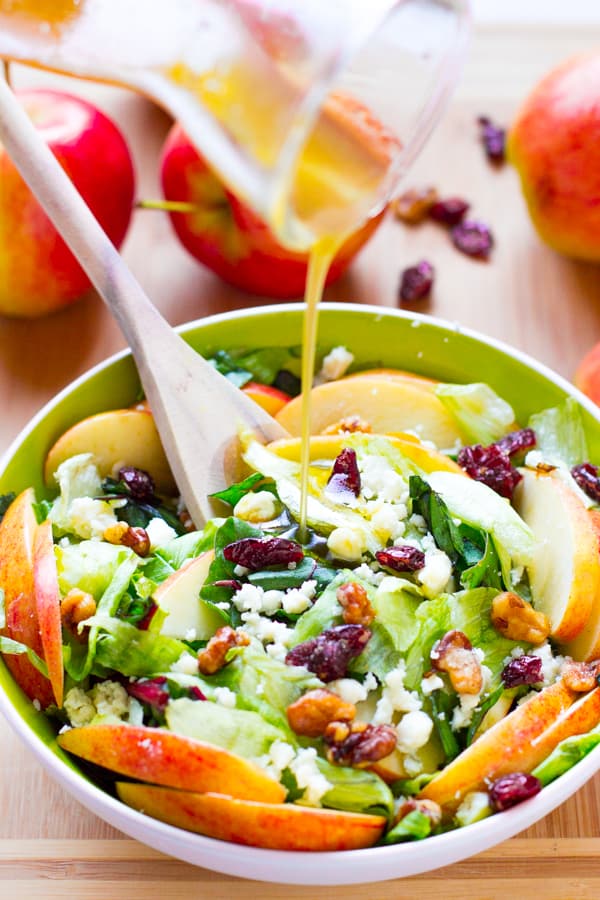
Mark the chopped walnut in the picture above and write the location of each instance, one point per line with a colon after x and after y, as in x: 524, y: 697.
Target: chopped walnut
x: 517, y: 620
x: 355, y: 603
x: 358, y: 744
x: 429, y: 808
x: 311, y: 714
x: 581, y: 676
x: 454, y: 654
x: 413, y: 205
x: 213, y: 657
x: 76, y: 607
x: 134, y: 537
x: 349, y: 424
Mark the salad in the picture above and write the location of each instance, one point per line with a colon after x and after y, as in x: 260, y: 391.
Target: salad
x: 424, y: 654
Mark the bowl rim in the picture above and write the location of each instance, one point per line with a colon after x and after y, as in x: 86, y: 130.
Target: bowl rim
x: 302, y: 867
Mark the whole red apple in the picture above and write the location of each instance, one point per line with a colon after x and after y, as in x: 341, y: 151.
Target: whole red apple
x: 228, y: 237
x: 554, y: 144
x: 38, y: 273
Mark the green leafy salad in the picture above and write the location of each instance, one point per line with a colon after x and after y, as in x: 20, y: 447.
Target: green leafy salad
x: 420, y: 656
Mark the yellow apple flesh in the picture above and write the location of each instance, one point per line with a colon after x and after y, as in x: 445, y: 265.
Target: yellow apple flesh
x: 161, y: 757
x: 47, y: 600
x: 565, y: 571
x: 179, y: 596
x: 120, y: 436
x: 283, y: 826
x: 389, y: 406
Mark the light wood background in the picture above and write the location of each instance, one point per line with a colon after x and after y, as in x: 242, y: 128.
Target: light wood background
x: 52, y: 848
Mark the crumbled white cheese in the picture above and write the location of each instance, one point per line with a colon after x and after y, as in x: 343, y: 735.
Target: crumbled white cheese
x: 280, y: 756
x: 463, y: 713
x: 379, y: 479
x: 159, y: 532
x: 110, y: 698
x: 387, y: 521
x: 395, y: 697
x: 79, y: 707
x: 412, y: 766
x: 475, y: 806
x: 90, y: 518
x: 256, y: 507
x: 418, y: 522
x: 308, y: 777
x: 366, y: 573
x: 186, y: 665
x: 225, y: 697
x: 335, y: 364
x: 431, y: 683
x: 435, y: 574
x: 296, y: 600
x: 414, y: 730
x: 249, y: 598
x: 275, y: 634
x: 350, y: 690
x: 190, y: 634
x: 551, y: 665
x: 370, y: 682
x: 346, y: 544
x: 240, y: 571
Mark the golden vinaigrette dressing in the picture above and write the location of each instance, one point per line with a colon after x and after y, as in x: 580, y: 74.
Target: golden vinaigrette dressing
x: 338, y: 172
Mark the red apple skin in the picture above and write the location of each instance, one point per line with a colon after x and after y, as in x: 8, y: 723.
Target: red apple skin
x: 17, y: 535
x: 47, y: 600
x: 587, y: 376
x: 38, y: 273
x: 270, y: 398
x: 228, y: 237
x: 553, y: 143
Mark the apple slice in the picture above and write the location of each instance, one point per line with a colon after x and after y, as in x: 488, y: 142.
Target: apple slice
x: 565, y: 570
x: 126, y: 436
x: 17, y: 535
x: 586, y: 646
x: 283, y: 826
x: 514, y: 744
x: 388, y: 406
x: 270, y: 398
x: 162, y: 757
x: 47, y: 601
x: 418, y: 381
x: 179, y: 597
x: 328, y: 446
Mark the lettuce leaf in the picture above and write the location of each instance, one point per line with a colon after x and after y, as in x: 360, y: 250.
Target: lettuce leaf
x: 413, y: 827
x: 566, y: 754
x: 89, y: 566
x: 356, y: 790
x: 481, y: 415
x: 124, y: 648
x: 559, y: 433
x: 9, y: 647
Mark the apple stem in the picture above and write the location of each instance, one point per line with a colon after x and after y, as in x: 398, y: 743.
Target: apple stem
x: 179, y: 206
x: 6, y: 71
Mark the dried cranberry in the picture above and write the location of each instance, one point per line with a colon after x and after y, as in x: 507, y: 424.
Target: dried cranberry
x: 401, y: 559
x: 512, y: 789
x: 450, y: 211
x: 517, y: 441
x: 416, y: 282
x: 473, y: 238
x: 345, y: 476
x: 151, y: 691
x: 144, y: 624
x: 522, y: 670
x: 329, y: 654
x: 586, y: 476
x: 256, y: 553
x: 196, y: 693
x: 140, y: 483
x: 492, y: 466
x: 493, y: 139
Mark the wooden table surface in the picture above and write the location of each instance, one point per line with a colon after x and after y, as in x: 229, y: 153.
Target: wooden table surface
x: 52, y: 847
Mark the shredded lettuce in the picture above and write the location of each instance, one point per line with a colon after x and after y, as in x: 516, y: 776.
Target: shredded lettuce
x: 121, y: 646
x: 413, y: 827
x: 89, y: 566
x: 559, y: 433
x: 566, y: 754
x: 16, y: 648
x: 355, y: 790
x: 481, y: 415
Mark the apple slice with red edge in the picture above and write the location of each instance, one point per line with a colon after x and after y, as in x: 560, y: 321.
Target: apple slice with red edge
x: 125, y: 436
x: 565, y: 571
x: 179, y: 597
x: 165, y: 758
x: 47, y: 601
x: 17, y: 535
x: 586, y: 646
x: 516, y: 743
x: 270, y: 398
x: 283, y: 826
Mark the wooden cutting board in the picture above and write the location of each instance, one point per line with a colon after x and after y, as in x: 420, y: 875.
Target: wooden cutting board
x: 50, y: 847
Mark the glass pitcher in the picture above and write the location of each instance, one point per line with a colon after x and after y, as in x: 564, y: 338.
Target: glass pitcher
x: 310, y: 110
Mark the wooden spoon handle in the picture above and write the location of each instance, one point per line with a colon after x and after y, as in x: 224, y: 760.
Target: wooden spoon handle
x: 197, y: 411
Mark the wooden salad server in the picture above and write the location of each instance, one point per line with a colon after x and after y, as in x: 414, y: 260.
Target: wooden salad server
x: 198, y: 412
